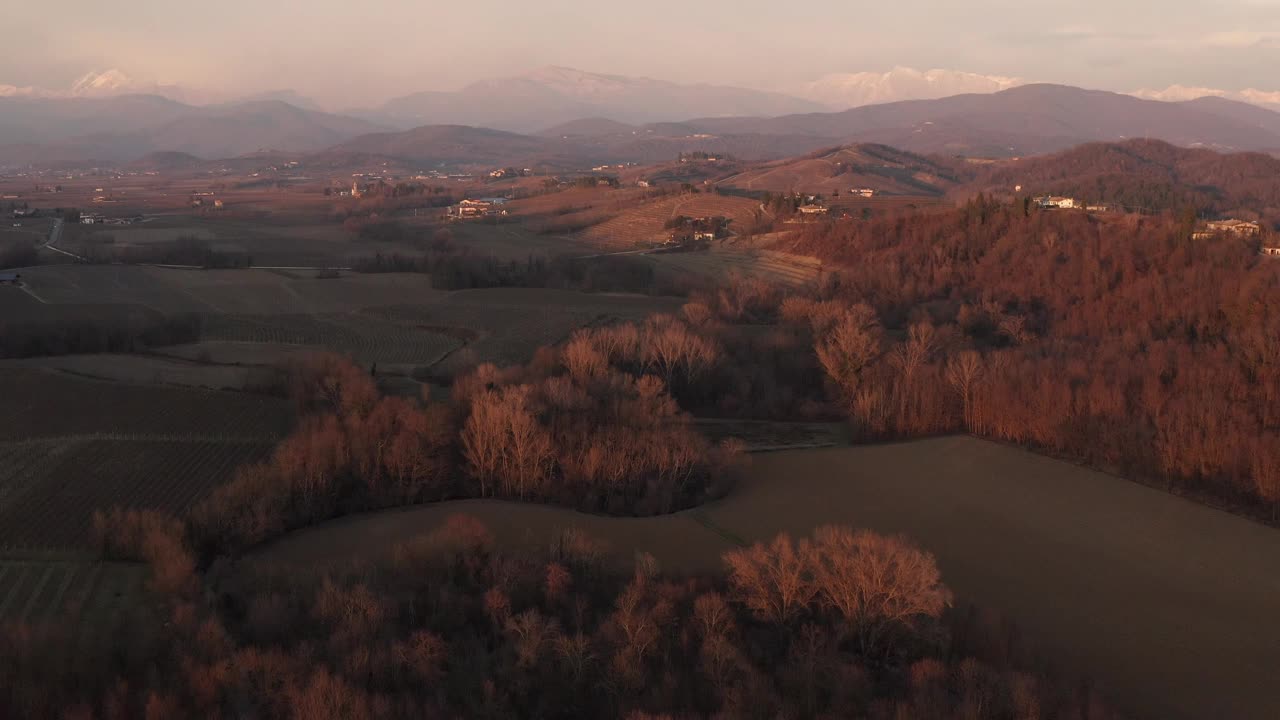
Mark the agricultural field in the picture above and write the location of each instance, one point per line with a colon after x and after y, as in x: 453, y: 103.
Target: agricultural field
x: 81, y: 594
x: 506, y: 325
x: 642, y: 225
x: 156, y: 370
x: 1167, y: 603
x: 54, y: 511
x: 362, y: 337
x: 171, y: 291
x: 69, y: 446
x: 720, y: 263
x: 510, y: 241
x: 44, y: 404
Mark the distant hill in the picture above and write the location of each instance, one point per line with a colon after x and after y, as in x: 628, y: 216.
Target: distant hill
x: 461, y: 145
x: 435, y: 145
x: 1147, y: 174
x: 882, y: 168
x: 124, y: 128
x: 1025, y: 120
x: 588, y: 127
x: 167, y: 161
x: 554, y: 95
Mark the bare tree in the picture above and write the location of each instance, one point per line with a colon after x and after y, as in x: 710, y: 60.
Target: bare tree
x: 875, y: 583
x: 964, y: 372
x: 772, y: 581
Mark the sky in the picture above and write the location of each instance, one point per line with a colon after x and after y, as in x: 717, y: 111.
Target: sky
x: 357, y: 53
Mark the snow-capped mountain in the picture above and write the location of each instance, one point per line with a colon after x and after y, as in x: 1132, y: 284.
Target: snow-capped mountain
x: 553, y: 95
x: 1181, y: 93
x: 848, y: 90
x: 109, y: 83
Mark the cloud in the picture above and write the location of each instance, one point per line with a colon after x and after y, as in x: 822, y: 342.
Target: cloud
x: 846, y: 90
x: 1242, y: 39
x: 1269, y: 99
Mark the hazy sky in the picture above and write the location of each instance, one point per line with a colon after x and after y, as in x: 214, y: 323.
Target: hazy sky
x: 362, y: 51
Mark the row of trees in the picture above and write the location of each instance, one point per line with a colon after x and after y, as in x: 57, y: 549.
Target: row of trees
x: 843, y: 624
x: 559, y: 430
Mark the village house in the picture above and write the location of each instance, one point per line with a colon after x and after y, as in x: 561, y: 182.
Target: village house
x: 1231, y: 226
x: 813, y: 210
x: 864, y: 192
x: 90, y: 218
x: 1271, y: 249
x: 480, y: 208
x: 1057, y: 202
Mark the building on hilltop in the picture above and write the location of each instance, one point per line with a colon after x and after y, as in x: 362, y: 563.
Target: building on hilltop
x: 1271, y: 249
x: 480, y: 208
x: 1056, y: 202
x: 1230, y: 226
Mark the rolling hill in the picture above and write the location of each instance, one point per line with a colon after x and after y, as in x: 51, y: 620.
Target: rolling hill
x: 126, y: 127
x: 885, y: 169
x: 1025, y: 120
x: 1144, y: 174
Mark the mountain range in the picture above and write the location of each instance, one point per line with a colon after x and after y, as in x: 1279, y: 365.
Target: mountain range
x: 1023, y: 120
x: 554, y: 95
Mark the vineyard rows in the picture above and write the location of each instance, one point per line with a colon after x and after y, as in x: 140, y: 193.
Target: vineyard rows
x: 87, y: 598
x: 54, y: 509
x: 364, y: 338
x: 42, y: 404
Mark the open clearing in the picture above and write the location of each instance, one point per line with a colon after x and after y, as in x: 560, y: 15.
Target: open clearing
x: 1170, y: 605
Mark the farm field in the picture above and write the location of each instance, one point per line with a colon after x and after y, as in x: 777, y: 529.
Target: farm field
x: 362, y: 337
x: 1168, y: 604
x: 88, y: 595
x: 40, y: 404
x: 69, y: 446
x: 719, y: 264
x: 510, y: 241
x: 643, y: 225
x: 172, y: 291
x: 53, y: 512
x: 154, y: 370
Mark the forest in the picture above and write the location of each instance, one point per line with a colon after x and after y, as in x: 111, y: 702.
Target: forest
x: 840, y: 624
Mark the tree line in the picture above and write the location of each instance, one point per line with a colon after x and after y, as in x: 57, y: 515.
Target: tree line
x: 839, y: 624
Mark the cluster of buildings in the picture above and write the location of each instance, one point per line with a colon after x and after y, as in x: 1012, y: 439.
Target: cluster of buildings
x: 1230, y: 226
x: 481, y: 207
x: 96, y: 219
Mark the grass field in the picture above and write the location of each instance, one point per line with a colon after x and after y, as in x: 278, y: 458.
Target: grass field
x: 1168, y: 604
